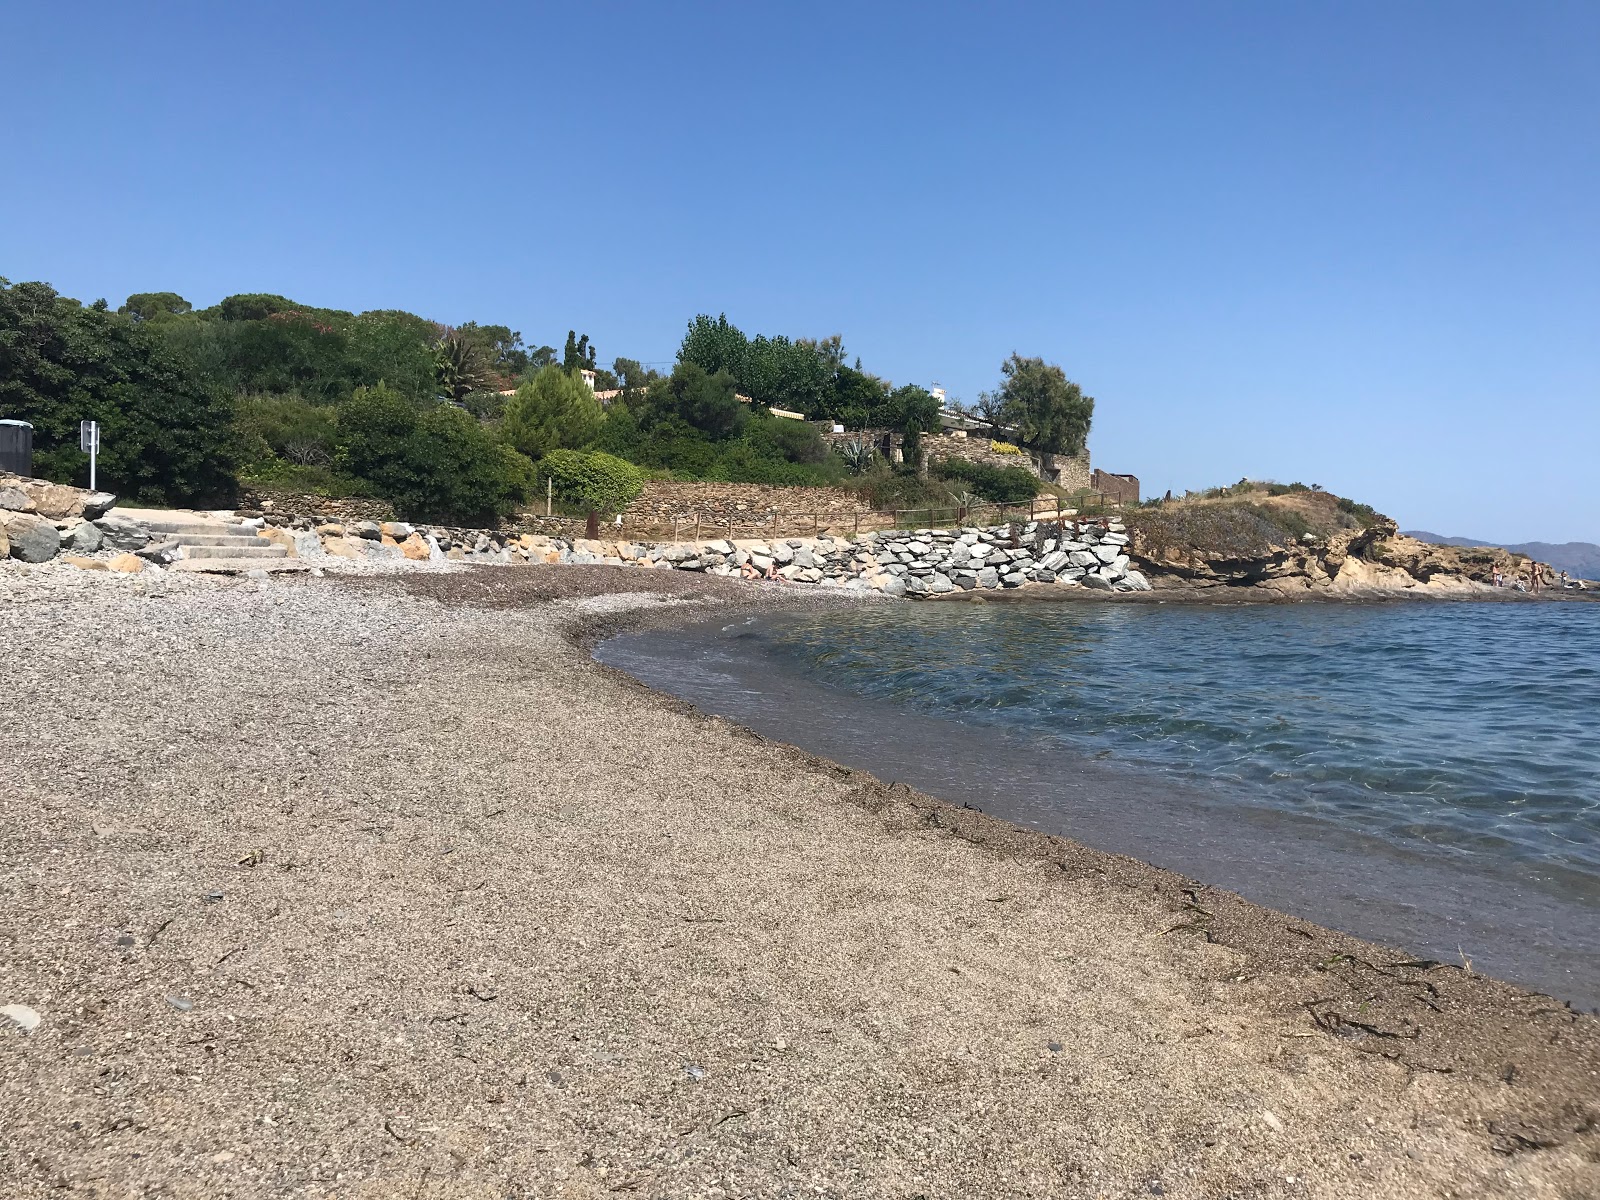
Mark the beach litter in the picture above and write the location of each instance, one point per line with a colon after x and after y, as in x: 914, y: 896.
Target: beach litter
x: 24, y: 1016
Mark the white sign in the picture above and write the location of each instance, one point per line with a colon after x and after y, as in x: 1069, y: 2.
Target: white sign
x: 89, y: 443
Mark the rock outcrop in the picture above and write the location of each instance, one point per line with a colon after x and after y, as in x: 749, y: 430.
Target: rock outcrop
x: 53, y: 501
x: 1374, y: 558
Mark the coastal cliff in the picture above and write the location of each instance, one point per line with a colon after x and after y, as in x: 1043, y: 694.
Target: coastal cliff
x: 1292, y: 545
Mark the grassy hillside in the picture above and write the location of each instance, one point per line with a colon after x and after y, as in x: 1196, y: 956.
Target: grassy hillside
x: 1248, y: 519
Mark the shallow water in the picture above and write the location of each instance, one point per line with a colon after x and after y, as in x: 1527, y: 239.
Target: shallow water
x: 1425, y: 774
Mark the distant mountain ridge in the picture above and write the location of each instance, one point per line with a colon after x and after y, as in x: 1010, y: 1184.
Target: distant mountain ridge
x: 1575, y: 558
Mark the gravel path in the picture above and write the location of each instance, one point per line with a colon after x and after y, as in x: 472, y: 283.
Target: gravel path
x: 382, y: 887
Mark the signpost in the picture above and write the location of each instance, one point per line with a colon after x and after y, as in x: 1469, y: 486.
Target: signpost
x: 89, y: 443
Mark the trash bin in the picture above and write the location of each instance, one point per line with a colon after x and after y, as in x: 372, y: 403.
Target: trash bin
x: 16, y: 447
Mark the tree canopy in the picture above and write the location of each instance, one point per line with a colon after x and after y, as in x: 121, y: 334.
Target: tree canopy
x: 165, y: 430
x: 1048, y: 412
x: 552, y: 411
x: 595, y: 482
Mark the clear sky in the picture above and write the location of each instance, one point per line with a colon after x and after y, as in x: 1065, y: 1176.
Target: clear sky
x: 1354, y: 244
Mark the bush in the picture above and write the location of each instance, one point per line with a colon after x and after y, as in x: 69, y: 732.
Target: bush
x: 884, y: 487
x: 1001, y: 485
x: 1363, y: 514
x: 433, y: 464
x: 791, y: 441
x: 593, y: 482
x: 284, y: 427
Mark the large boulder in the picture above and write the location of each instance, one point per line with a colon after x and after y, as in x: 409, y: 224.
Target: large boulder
x: 121, y: 533
x: 31, y: 538
x: 57, y: 501
x: 84, y: 537
x: 15, y: 500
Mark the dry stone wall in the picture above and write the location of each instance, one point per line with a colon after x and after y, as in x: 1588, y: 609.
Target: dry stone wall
x: 1068, y: 471
x: 740, y: 508
x: 269, y: 500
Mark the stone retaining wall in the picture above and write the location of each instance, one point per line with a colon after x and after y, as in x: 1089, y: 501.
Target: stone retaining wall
x: 269, y: 499
x: 740, y: 508
x: 1068, y: 471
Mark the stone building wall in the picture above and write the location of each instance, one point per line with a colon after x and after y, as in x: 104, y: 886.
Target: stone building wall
x: 1068, y: 471
x: 1124, y: 489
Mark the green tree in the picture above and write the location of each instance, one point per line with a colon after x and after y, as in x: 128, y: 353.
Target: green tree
x: 578, y: 355
x: 289, y: 351
x: 858, y: 399
x: 166, y: 433
x: 911, y: 411
x: 706, y: 402
x: 396, y: 347
x: 594, y: 482
x: 432, y: 463
x: 715, y: 345
x: 1048, y: 412
x: 152, y: 306
x: 252, y: 306
x: 461, y: 366
x: 797, y: 376
x: 501, y: 345
x: 552, y: 411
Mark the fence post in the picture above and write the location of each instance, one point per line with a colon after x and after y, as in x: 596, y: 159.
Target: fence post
x: 697, y: 524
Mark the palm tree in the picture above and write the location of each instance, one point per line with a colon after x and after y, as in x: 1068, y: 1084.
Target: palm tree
x: 460, y: 366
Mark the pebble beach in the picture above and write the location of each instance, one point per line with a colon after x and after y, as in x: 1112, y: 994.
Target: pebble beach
x: 379, y: 885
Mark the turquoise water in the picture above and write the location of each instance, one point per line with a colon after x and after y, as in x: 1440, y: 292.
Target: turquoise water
x: 1469, y: 727
x: 1424, y: 775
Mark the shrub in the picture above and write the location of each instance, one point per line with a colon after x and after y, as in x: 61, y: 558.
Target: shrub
x: 1364, y: 514
x: 432, y: 463
x: 792, y: 441
x: 1001, y: 485
x: 1004, y: 448
x: 284, y: 427
x: 594, y: 481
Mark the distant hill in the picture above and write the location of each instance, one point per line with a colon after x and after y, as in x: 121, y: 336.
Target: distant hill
x: 1575, y: 558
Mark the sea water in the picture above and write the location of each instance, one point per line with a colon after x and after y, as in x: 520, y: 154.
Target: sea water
x: 1427, y: 774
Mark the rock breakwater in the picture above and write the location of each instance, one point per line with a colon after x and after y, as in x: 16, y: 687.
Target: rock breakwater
x: 918, y: 563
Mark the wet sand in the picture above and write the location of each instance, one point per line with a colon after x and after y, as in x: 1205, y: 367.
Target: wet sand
x: 383, y: 887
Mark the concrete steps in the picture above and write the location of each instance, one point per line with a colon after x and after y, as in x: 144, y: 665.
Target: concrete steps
x: 253, y: 547
x: 218, y: 546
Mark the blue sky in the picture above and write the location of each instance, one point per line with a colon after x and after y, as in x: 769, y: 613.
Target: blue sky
x: 1351, y: 244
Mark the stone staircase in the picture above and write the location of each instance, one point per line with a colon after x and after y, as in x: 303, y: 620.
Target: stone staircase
x: 217, y: 546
